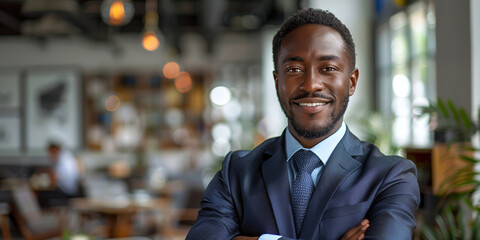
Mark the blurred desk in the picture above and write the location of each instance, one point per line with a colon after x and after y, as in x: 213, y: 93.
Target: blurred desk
x: 4, y: 211
x: 118, y: 214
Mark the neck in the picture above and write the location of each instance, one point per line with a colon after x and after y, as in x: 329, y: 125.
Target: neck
x: 310, y: 142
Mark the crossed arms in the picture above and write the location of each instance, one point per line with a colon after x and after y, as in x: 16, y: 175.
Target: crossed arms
x: 390, y: 211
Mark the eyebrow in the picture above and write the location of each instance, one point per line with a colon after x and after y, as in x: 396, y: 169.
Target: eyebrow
x: 322, y: 58
x: 293, y: 59
x: 328, y: 57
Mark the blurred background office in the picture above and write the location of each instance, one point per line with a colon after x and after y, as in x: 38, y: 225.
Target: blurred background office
x: 149, y: 95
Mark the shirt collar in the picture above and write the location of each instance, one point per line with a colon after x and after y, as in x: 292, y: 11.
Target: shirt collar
x: 323, y: 149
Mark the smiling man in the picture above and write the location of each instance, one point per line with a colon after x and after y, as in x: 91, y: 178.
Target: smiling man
x: 317, y: 180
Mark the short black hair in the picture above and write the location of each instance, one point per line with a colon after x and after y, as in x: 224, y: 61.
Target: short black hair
x: 54, y: 144
x: 314, y: 16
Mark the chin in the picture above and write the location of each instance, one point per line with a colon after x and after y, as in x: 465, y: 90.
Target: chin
x: 313, y: 132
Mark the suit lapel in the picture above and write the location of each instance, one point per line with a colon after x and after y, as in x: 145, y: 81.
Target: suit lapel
x: 274, y: 170
x: 340, y: 165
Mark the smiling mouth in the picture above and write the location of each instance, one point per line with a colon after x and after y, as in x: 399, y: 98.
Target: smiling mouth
x: 311, y: 104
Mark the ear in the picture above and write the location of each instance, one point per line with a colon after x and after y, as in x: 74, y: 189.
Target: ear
x: 353, y: 82
x: 275, y: 77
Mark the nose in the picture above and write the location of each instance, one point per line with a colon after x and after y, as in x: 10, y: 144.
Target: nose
x: 312, y: 81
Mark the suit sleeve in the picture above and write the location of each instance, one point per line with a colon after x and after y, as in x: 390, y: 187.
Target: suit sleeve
x: 392, y: 215
x: 217, y: 218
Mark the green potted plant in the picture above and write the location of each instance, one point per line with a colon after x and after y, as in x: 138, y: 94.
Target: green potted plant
x: 452, y: 154
x: 453, y: 130
x: 449, y: 122
x: 455, y: 221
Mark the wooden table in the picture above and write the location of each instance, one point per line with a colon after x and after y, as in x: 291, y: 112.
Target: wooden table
x: 118, y: 214
x: 4, y: 211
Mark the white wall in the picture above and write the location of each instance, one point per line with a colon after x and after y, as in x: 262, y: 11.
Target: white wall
x: 274, y: 120
x: 475, y: 45
x: 123, y: 52
x: 475, y: 33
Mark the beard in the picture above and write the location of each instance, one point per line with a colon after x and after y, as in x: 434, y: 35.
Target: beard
x: 313, y: 132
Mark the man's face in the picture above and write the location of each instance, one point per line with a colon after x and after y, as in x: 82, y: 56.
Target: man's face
x: 314, y: 82
x: 53, y: 153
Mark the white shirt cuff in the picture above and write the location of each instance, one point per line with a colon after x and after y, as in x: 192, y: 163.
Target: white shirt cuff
x: 269, y: 237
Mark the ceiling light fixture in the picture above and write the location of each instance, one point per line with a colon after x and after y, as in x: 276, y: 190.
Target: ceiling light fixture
x: 151, y: 34
x: 117, y: 12
x: 150, y: 41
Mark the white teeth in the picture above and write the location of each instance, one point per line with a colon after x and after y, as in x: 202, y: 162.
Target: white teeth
x: 311, y: 104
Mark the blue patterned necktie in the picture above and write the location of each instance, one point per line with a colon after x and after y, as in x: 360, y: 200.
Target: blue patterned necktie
x: 305, y: 162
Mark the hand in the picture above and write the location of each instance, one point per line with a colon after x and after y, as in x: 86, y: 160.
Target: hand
x: 244, y: 238
x: 357, y: 232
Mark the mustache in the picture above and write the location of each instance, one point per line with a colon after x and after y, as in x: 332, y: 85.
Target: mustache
x: 312, y: 95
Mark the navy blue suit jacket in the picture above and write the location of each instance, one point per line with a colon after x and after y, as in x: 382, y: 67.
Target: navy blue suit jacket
x: 250, y: 196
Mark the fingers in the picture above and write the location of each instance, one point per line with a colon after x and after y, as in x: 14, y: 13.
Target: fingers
x: 244, y: 238
x: 357, y: 232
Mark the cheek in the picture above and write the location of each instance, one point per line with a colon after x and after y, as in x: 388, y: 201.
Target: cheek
x: 287, y: 87
x: 341, y: 88
x: 281, y: 87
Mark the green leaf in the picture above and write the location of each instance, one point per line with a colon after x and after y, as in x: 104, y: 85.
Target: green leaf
x: 462, y: 224
x: 452, y: 228
x: 469, y: 159
x: 442, y: 108
x: 442, y: 227
x: 478, y: 117
x: 428, y: 233
x: 465, y: 119
x: 468, y: 201
x: 476, y: 122
x: 473, y: 149
x: 475, y: 227
x: 454, y: 111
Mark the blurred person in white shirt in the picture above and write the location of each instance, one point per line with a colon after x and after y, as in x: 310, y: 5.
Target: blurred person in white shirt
x: 65, y: 170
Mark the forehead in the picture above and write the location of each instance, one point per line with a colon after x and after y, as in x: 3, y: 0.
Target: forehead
x: 313, y: 39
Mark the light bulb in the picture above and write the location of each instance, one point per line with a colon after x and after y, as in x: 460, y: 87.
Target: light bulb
x: 117, y: 12
x: 150, y: 41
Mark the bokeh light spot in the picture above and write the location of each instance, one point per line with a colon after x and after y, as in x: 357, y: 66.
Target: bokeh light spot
x: 112, y: 103
x: 220, y: 95
x: 171, y: 70
x: 150, y: 41
x: 183, y: 83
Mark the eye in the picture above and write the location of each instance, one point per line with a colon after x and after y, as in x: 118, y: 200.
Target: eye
x: 329, y: 69
x: 293, y: 69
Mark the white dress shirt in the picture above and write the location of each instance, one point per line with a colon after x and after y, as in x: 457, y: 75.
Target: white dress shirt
x: 66, y: 172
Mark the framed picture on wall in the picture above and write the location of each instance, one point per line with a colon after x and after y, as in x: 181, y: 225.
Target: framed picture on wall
x: 10, y: 121
x: 10, y: 90
x: 52, y: 109
x: 9, y: 135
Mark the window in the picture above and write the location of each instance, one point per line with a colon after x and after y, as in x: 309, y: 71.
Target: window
x: 405, y: 68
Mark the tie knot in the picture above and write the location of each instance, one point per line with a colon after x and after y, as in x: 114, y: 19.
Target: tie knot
x: 306, y: 161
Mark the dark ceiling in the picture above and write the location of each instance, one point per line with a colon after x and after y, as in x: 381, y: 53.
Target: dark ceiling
x: 206, y: 17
